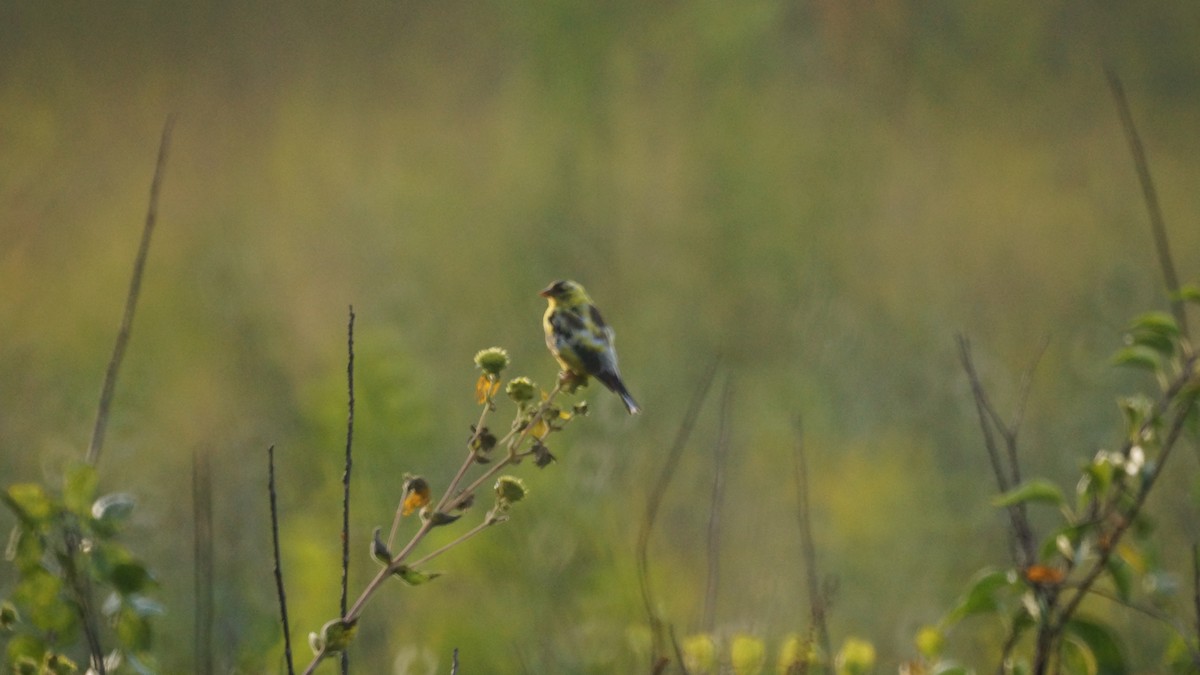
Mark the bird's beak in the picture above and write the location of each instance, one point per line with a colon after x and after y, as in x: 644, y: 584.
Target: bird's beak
x: 545, y: 292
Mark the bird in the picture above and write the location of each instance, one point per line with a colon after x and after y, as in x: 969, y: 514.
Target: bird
x: 580, y: 340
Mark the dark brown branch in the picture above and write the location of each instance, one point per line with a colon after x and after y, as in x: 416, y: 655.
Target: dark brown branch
x: 81, y: 588
x: 720, y: 452
x: 202, y: 555
x: 1196, y: 596
x: 1158, y: 227
x: 345, y: 661
x: 283, y: 613
x: 135, y: 286
x: 816, y: 595
x: 657, y: 491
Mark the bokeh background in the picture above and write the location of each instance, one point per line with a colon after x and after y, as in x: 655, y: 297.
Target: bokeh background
x: 824, y: 193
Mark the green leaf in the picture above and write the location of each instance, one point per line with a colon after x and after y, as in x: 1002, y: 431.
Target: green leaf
x: 1036, y: 490
x: 1101, y: 643
x: 379, y: 550
x: 30, y: 503
x: 981, y: 598
x: 414, y: 577
x: 24, y: 646
x: 336, y: 635
x: 26, y: 548
x: 134, y: 631
x: 1155, y: 331
x: 1187, y: 293
x: 117, y: 567
x: 1138, y: 356
x: 1160, y: 323
x: 43, y: 597
x: 79, y: 487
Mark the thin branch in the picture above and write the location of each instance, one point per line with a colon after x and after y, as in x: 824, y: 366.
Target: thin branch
x: 81, y: 587
x: 454, y: 662
x: 1010, y: 433
x: 990, y: 423
x: 283, y: 613
x: 202, y: 555
x: 1158, y: 227
x: 720, y: 452
x: 513, y: 441
x: 135, y: 286
x: 816, y: 597
x: 486, y: 523
x: 1196, y: 597
x: 657, y: 492
x: 346, y: 477
x: 428, y: 524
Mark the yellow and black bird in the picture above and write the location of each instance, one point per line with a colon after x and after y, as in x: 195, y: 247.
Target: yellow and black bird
x: 580, y: 340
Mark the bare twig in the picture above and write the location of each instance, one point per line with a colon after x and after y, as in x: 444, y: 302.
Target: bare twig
x: 135, y: 285
x: 81, y: 587
x: 202, y: 543
x: 283, y: 613
x: 816, y: 596
x: 1010, y: 433
x: 1196, y: 597
x: 657, y: 492
x: 1158, y: 227
x: 345, y: 661
x: 990, y: 424
x: 720, y: 451
x: 454, y: 662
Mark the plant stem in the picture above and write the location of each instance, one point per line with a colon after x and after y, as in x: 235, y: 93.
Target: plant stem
x: 488, y: 522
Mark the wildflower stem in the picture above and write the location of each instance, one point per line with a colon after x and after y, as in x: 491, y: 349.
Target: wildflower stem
x: 512, y: 448
x: 466, y: 465
x: 450, y: 499
x: 487, y: 522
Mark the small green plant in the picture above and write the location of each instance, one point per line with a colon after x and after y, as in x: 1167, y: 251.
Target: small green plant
x: 1099, y: 546
x: 536, y: 416
x: 66, y: 551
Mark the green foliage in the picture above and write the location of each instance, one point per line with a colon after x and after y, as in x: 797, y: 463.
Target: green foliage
x: 1102, y: 544
x: 66, y: 551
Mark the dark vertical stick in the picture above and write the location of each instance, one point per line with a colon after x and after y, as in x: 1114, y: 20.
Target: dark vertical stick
x: 346, y: 477
x: 202, y: 554
x: 720, y: 451
x: 135, y: 287
x: 808, y: 548
x: 657, y: 492
x: 81, y: 588
x: 454, y: 662
x: 283, y: 614
x: 1196, y: 589
x: 991, y: 424
x: 1158, y: 227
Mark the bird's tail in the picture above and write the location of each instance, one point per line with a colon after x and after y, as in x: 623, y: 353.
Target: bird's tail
x: 630, y: 404
x: 613, y: 381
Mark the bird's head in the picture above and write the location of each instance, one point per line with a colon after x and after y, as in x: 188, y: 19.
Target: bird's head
x: 565, y: 292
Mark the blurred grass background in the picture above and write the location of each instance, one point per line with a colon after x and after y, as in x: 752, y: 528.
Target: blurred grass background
x: 824, y: 193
